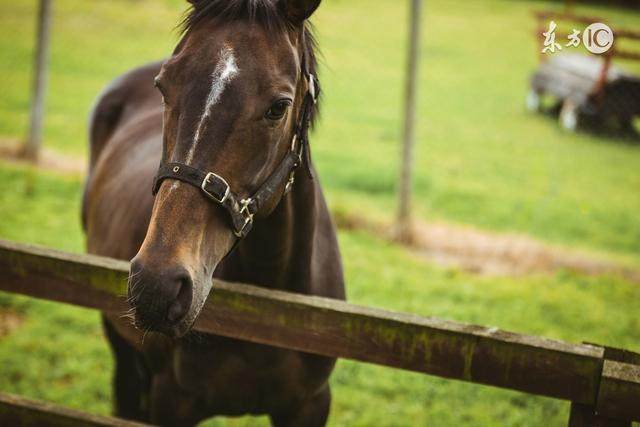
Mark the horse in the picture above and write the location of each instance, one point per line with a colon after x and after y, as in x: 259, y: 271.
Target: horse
x: 200, y: 170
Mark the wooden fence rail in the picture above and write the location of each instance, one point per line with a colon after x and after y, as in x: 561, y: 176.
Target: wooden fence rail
x: 16, y: 411
x: 595, y: 379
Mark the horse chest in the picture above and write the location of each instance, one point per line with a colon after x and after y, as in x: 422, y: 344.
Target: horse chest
x: 234, y: 377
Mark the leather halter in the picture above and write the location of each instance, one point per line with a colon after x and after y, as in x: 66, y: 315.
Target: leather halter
x: 216, y: 188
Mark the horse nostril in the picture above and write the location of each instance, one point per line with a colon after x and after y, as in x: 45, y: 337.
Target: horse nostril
x: 180, y: 307
x: 161, y: 294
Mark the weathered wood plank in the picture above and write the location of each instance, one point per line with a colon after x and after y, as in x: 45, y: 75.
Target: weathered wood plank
x: 17, y: 411
x: 618, y: 354
x: 620, y: 390
x: 447, y: 349
x: 328, y: 327
x: 626, y: 34
x: 547, y: 15
x: 587, y: 20
x: 585, y: 416
x: 627, y: 54
x: 83, y: 280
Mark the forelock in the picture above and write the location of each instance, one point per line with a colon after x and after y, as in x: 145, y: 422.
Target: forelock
x: 267, y: 13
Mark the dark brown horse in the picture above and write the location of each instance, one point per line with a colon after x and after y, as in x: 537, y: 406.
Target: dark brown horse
x: 234, y: 200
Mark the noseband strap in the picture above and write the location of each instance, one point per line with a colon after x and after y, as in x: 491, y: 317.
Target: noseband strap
x: 217, y: 189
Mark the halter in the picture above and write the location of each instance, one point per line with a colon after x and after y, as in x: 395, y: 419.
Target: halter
x: 218, y: 190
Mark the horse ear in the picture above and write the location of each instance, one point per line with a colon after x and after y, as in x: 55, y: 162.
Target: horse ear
x: 299, y: 10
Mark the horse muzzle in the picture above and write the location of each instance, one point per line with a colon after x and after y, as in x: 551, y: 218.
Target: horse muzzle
x: 162, y: 297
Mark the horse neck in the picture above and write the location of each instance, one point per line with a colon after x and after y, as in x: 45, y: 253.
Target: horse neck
x: 277, y: 252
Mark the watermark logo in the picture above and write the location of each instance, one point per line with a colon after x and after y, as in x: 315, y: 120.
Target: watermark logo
x: 550, y: 44
x: 597, y: 38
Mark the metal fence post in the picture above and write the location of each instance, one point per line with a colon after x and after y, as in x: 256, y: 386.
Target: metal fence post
x: 404, y: 228
x: 34, y: 140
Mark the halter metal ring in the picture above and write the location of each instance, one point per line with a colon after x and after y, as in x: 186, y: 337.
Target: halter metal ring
x: 245, y: 207
x: 248, y: 219
x: 290, y: 182
x: 207, y: 180
x: 240, y: 234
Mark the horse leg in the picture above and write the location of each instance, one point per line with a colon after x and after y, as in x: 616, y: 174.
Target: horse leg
x: 312, y: 412
x: 131, y: 380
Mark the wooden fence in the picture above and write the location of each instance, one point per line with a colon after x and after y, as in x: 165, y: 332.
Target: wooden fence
x: 16, y: 411
x: 603, y: 384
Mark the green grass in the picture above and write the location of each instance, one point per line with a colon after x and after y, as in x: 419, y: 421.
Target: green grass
x: 39, y: 210
x: 481, y: 160
x: 59, y: 354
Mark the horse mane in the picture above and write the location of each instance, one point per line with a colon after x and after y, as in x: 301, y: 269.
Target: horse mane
x: 267, y: 13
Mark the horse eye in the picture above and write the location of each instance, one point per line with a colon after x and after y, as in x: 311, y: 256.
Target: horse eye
x: 278, y: 109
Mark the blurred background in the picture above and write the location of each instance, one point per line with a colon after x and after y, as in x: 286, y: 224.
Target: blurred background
x: 517, y: 221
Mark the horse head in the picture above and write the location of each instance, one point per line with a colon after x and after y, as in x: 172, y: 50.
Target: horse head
x: 239, y: 93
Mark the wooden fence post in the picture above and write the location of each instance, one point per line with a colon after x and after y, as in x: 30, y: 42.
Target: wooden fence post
x: 404, y: 228
x: 591, y: 416
x: 32, y: 145
x: 585, y: 416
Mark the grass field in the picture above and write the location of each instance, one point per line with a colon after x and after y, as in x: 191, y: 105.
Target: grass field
x: 482, y: 160
x: 59, y: 354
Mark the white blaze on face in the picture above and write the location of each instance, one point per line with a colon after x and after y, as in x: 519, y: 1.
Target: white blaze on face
x: 224, y: 72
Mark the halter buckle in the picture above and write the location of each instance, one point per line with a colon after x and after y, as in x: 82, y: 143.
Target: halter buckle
x: 207, y: 179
